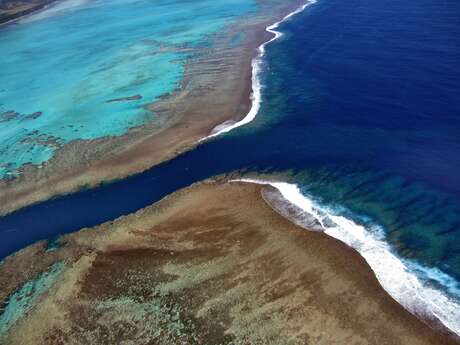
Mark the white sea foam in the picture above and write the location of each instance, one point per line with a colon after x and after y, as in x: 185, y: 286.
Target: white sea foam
x: 256, y: 94
x: 58, y: 8
x: 408, y: 282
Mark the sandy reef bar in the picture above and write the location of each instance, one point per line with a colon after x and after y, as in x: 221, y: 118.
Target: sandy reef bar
x: 210, y: 264
x: 216, y: 88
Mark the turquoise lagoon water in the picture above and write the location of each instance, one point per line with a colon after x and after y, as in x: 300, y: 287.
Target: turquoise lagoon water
x: 60, y: 67
x: 24, y: 298
x: 360, y: 103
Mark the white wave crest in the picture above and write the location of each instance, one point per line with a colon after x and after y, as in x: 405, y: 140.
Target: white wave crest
x: 256, y: 94
x: 405, y: 280
x: 56, y: 9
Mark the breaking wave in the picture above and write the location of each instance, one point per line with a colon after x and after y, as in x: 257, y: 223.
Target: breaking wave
x: 256, y: 95
x: 426, y: 292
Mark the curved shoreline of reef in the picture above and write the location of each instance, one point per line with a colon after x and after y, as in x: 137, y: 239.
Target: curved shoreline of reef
x: 215, y: 89
x: 214, y: 264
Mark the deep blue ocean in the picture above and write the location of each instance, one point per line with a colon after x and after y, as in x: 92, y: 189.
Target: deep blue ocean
x: 361, y: 108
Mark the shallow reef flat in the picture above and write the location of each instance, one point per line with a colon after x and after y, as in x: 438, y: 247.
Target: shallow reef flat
x: 145, y: 98
x: 210, y: 264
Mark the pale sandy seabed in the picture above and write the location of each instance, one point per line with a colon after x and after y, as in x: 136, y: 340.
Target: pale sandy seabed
x: 210, y: 94
x: 211, y: 264
x: 230, y: 271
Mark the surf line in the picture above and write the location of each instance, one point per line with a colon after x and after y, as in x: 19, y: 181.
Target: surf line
x: 399, y: 277
x: 256, y: 93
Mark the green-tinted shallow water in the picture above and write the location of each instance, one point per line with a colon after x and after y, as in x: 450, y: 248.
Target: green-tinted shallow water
x: 60, y: 67
x: 24, y: 298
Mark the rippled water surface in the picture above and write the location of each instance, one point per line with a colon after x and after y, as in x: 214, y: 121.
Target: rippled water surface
x: 361, y: 104
x: 60, y: 69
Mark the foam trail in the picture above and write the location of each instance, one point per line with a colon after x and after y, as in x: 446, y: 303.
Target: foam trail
x: 256, y: 95
x: 405, y: 280
x: 55, y: 9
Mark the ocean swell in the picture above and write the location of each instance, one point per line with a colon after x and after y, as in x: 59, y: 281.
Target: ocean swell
x: 408, y: 282
x: 256, y: 94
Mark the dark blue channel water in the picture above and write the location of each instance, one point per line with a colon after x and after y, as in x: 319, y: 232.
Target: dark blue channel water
x: 361, y: 104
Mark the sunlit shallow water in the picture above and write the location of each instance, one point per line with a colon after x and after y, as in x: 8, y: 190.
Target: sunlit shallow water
x: 361, y: 105
x: 61, y: 68
x: 22, y: 300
